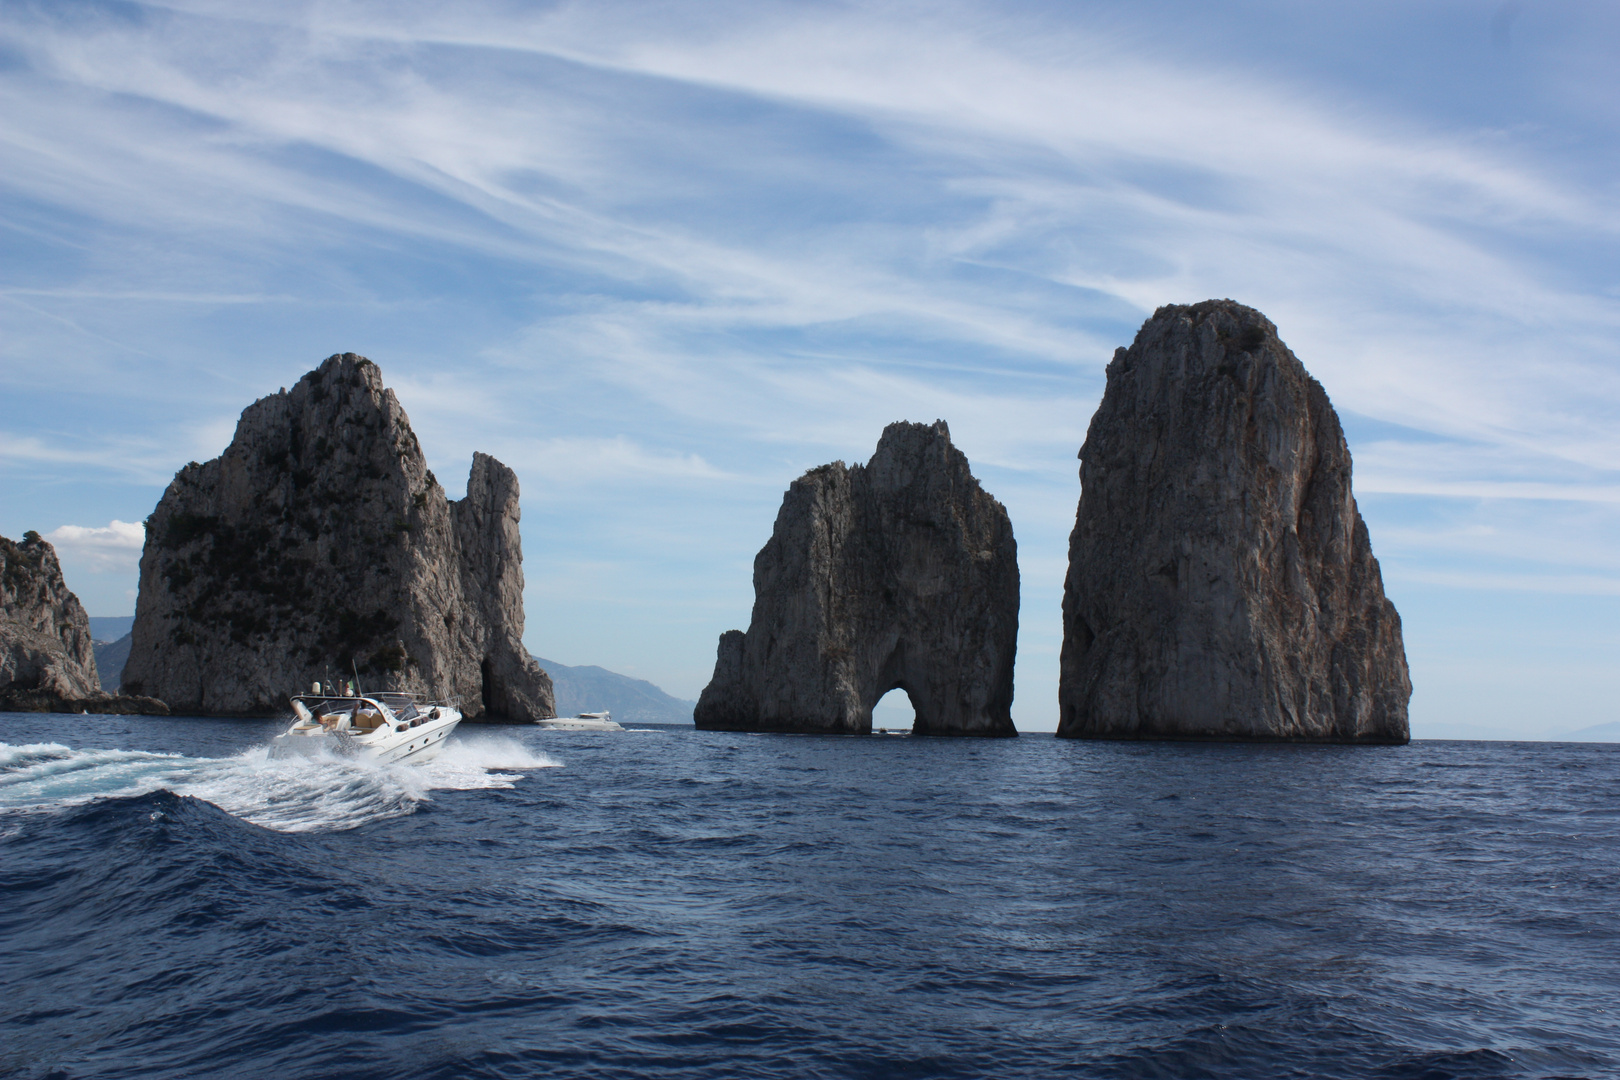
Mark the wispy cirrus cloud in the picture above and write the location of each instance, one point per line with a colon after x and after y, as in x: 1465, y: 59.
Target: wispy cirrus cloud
x: 678, y: 250
x: 571, y: 461
x: 30, y: 451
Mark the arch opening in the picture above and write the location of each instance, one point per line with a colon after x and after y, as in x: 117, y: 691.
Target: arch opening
x: 894, y: 711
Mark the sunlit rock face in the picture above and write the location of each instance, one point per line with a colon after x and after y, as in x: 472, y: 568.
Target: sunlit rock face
x: 902, y: 573
x: 1221, y: 583
x: 319, y: 544
x: 45, y: 639
x: 47, y: 657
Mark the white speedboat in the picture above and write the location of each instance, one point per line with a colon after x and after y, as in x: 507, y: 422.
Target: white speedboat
x: 379, y: 727
x: 585, y: 721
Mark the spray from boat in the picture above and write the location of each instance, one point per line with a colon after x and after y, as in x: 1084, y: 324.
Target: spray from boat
x: 318, y: 792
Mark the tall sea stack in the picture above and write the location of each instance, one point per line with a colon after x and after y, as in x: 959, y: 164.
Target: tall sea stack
x: 47, y: 659
x: 319, y: 542
x: 1221, y: 583
x: 899, y: 574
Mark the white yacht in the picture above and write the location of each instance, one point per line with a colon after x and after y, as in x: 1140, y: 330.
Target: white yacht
x: 585, y: 721
x: 381, y: 727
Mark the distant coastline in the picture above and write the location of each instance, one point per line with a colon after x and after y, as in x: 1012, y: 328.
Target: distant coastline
x: 589, y: 688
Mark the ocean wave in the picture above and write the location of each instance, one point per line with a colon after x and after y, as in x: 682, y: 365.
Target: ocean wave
x: 305, y: 794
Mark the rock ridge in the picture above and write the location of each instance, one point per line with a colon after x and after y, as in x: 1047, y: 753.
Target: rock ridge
x: 319, y: 543
x: 902, y: 573
x: 47, y: 656
x: 1221, y: 580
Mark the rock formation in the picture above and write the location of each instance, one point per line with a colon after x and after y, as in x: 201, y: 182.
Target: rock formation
x: 1221, y: 583
x: 902, y: 573
x: 319, y: 542
x: 47, y: 657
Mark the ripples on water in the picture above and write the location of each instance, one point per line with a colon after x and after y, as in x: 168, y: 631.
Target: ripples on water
x: 680, y: 904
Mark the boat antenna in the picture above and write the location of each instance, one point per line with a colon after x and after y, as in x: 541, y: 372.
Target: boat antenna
x: 356, y: 667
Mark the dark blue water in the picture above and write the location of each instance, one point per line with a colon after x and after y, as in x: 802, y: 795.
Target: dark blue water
x: 681, y: 904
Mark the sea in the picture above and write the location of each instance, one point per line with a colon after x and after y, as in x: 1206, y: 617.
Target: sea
x: 668, y: 903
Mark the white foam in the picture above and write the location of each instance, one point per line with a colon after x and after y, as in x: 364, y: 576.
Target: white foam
x: 22, y: 755
x: 291, y: 795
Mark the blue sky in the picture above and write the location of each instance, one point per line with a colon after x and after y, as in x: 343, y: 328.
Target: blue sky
x: 662, y: 258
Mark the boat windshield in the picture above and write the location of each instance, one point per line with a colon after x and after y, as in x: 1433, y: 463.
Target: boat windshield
x: 320, y: 705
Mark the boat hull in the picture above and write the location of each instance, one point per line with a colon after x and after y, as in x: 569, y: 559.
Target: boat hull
x: 419, y: 744
x: 425, y: 743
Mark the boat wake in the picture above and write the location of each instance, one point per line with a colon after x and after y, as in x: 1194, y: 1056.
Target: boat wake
x: 314, y: 794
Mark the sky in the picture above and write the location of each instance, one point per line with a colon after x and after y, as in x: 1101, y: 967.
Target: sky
x: 663, y: 258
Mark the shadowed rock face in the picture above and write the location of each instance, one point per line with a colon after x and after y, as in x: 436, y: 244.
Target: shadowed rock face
x: 320, y: 539
x: 47, y: 657
x: 1221, y: 584
x: 902, y: 573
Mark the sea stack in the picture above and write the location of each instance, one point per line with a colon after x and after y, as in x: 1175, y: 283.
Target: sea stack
x: 318, y: 544
x: 47, y: 658
x: 902, y: 573
x: 1221, y: 582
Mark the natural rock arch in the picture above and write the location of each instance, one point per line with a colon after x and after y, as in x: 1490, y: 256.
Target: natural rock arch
x: 900, y: 574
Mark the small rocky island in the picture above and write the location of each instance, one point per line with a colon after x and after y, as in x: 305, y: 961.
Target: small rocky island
x: 902, y: 573
x: 47, y: 657
x: 319, y: 542
x: 1221, y: 582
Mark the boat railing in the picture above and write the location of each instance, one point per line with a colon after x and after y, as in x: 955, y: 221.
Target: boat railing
x: 394, y: 699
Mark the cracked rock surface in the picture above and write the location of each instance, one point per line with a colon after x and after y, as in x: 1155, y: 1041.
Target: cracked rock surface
x: 318, y: 542
x: 1221, y: 581
x: 902, y: 573
x: 47, y: 657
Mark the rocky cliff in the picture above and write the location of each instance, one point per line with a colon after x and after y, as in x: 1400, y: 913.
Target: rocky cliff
x: 47, y: 657
x: 320, y: 542
x: 1221, y: 582
x: 899, y: 574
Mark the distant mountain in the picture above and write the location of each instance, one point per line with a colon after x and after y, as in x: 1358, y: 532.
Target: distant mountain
x: 110, y: 657
x: 593, y: 689
x: 1609, y: 732
x: 110, y: 627
x: 111, y: 634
